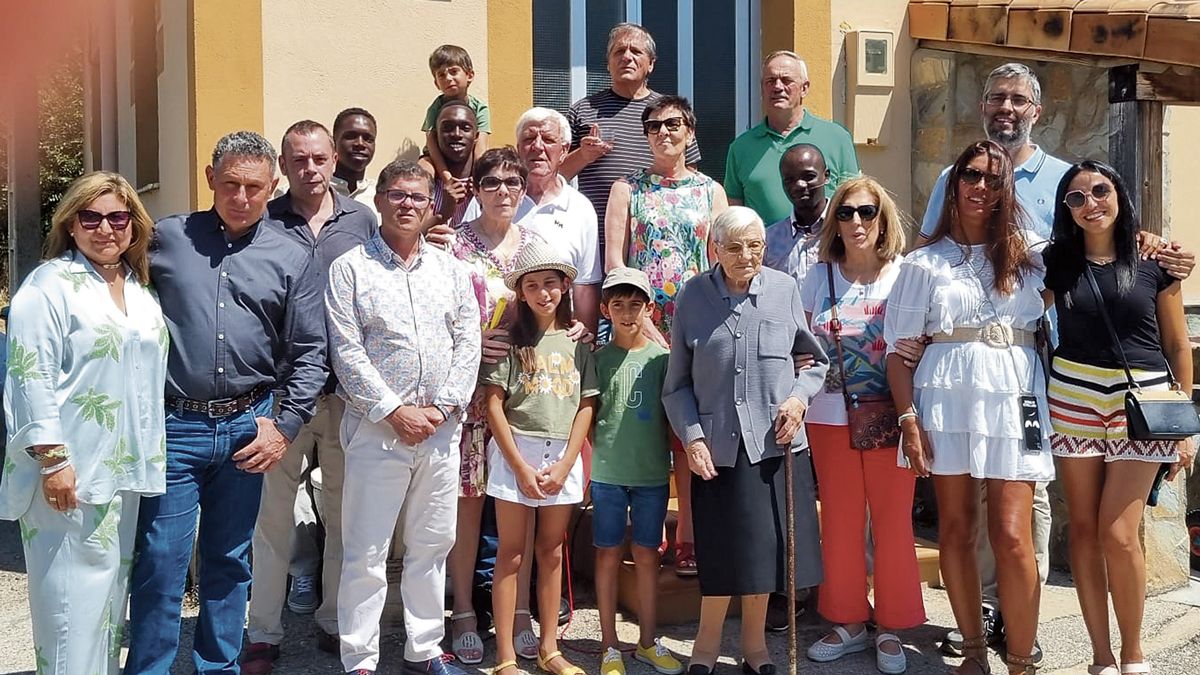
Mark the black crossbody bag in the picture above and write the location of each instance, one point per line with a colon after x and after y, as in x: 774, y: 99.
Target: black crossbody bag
x: 1150, y: 415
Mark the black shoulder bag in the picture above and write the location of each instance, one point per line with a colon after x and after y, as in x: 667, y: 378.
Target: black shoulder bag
x: 1151, y: 415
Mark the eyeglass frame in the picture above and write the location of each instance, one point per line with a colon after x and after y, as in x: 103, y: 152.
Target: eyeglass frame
x: 102, y: 217
x: 1103, y: 187
x: 411, y: 197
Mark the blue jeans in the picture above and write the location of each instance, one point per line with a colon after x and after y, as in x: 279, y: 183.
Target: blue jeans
x: 644, y: 507
x: 202, y: 480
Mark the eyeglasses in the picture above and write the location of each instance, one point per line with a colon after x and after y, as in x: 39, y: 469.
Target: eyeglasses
x: 492, y: 183
x: 398, y: 197
x: 972, y: 176
x: 755, y: 248
x: 673, y: 124
x: 1077, y: 198
x: 845, y: 213
x: 1019, y: 101
x: 90, y: 220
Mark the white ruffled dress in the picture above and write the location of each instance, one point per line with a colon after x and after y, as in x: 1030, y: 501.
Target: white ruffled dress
x: 967, y: 393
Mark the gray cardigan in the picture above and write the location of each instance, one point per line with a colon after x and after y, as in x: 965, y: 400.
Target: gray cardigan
x: 730, y: 368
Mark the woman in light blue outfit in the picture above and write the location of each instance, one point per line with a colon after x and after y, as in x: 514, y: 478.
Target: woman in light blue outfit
x: 84, y: 404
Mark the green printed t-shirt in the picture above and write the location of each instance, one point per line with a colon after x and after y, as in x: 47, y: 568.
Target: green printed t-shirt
x: 542, y: 400
x: 483, y: 117
x: 630, y: 445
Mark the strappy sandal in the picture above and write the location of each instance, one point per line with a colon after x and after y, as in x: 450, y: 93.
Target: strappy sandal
x: 1143, y: 667
x: 685, y: 560
x: 570, y: 669
x: 1023, y: 665
x: 974, y: 652
x: 1097, y: 669
x: 505, y: 664
x: 525, y: 642
x: 467, y: 645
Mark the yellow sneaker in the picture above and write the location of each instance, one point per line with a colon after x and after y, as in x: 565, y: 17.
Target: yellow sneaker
x: 612, y: 663
x: 660, y: 657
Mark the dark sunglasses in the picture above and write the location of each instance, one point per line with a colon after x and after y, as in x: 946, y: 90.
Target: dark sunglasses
x: 673, y: 124
x: 1077, y: 198
x: 492, y: 183
x: 972, y: 176
x: 117, y: 220
x: 398, y: 197
x: 845, y: 214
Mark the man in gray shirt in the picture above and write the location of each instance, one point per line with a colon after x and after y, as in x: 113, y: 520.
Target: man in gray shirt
x: 243, y: 304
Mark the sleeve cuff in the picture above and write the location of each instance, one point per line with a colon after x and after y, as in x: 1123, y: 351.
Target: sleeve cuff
x: 289, y: 424
x: 41, y: 432
x: 384, y: 408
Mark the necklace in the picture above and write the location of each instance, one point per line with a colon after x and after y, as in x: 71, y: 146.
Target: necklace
x: 1102, y: 259
x: 112, y: 266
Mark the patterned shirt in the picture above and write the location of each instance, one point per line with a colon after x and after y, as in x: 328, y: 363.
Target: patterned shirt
x: 793, y: 249
x: 402, y: 335
x: 669, y: 222
x: 85, y: 375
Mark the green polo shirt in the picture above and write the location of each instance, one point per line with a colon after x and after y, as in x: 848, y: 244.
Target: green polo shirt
x: 752, y: 165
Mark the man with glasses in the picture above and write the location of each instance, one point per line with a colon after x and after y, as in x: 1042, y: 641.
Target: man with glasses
x: 240, y: 298
x: 404, y: 342
x: 324, y: 222
x: 752, y: 164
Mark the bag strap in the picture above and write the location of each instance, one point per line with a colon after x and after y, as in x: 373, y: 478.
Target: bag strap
x: 835, y: 327
x: 1112, y: 332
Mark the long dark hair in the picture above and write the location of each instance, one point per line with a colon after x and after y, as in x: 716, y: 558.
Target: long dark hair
x: 1065, y: 259
x: 525, y: 330
x: 1006, y: 247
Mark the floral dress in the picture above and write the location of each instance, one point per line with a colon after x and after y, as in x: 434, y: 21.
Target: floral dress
x: 487, y: 276
x: 669, y: 222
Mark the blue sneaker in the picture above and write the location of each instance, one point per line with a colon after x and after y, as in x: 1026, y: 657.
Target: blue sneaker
x: 439, y: 665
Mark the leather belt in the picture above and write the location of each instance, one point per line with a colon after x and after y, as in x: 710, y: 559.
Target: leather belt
x: 993, y: 334
x: 222, y: 407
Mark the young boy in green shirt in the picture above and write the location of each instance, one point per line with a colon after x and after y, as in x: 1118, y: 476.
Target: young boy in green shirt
x: 453, y: 73
x: 631, y: 464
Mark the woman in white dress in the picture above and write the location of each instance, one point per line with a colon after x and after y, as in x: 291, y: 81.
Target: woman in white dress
x: 84, y: 401
x: 974, y: 410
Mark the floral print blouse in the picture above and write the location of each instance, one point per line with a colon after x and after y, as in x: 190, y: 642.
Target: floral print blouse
x: 84, y: 375
x: 669, y: 222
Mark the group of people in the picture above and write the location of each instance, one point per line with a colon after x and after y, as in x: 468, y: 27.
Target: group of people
x: 427, y: 340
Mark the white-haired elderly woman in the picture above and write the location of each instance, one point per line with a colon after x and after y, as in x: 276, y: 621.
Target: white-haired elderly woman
x: 734, y: 397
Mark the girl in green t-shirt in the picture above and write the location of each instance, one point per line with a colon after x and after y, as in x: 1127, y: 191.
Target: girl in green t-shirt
x: 540, y: 401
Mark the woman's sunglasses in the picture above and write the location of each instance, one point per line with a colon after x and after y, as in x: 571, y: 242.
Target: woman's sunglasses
x: 1077, y: 198
x: 972, y: 176
x: 673, y: 124
x: 493, y: 183
x: 90, y: 220
x: 845, y: 214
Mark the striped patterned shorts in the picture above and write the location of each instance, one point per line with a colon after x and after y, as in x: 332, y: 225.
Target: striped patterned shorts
x: 1087, y: 413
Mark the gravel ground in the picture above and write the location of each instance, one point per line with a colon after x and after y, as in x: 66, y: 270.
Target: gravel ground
x: 1172, y: 635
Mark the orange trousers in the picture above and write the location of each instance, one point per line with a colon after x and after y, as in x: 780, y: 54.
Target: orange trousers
x: 850, y: 481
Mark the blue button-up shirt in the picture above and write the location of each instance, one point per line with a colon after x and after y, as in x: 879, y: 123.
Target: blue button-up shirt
x: 793, y: 248
x: 349, y: 225
x: 1036, y: 182
x: 235, y: 309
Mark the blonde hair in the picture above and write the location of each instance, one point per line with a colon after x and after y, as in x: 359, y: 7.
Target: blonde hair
x: 891, y: 228
x: 87, y: 189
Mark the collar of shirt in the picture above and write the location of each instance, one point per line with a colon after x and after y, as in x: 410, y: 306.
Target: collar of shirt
x: 806, y: 230
x: 1034, y: 163
x: 250, y: 237
x: 341, y: 206
x: 805, y: 124
x: 561, y: 202
x: 341, y: 186
x: 718, y: 276
x: 378, y: 248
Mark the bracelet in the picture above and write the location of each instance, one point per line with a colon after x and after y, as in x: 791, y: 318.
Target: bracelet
x: 56, y: 452
x: 54, y: 468
x: 905, y: 415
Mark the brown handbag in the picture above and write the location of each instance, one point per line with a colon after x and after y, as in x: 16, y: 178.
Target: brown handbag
x: 871, y: 417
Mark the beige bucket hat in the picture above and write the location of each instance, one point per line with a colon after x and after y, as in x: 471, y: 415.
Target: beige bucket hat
x: 536, y: 256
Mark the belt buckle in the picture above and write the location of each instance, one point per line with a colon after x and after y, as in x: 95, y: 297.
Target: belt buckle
x: 996, y: 334
x: 222, y: 408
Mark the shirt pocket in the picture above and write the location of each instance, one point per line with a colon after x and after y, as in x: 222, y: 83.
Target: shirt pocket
x: 774, y: 340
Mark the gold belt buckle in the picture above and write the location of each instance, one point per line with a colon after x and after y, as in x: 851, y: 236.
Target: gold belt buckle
x: 996, y: 334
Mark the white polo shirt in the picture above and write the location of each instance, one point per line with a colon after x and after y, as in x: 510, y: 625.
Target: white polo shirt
x: 568, y: 223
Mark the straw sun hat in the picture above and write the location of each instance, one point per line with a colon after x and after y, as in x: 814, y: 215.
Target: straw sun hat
x: 537, y: 256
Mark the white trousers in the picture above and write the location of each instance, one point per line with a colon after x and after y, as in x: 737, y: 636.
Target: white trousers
x: 78, y: 564
x: 383, y: 475
x: 273, y: 532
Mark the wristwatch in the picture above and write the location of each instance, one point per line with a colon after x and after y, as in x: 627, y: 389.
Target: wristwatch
x: 447, y: 411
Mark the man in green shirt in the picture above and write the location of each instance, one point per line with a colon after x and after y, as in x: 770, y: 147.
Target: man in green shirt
x: 752, y: 165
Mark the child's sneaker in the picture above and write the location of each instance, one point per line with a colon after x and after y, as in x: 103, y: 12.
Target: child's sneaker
x: 612, y: 663
x: 660, y: 657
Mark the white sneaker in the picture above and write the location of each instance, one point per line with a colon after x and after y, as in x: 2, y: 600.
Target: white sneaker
x: 823, y: 652
x: 893, y: 664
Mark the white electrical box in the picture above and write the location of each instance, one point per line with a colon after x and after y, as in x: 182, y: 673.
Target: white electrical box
x: 870, y: 79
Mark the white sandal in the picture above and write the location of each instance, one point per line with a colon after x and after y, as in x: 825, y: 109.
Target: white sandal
x: 893, y: 664
x: 468, y: 646
x: 823, y: 652
x: 525, y: 643
x: 1143, y: 667
x: 1096, y: 669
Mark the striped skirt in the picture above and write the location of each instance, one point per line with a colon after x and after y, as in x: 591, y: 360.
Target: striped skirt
x: 1087, y: 413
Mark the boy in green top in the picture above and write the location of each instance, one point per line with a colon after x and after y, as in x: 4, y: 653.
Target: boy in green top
x: 631, y: 464
x: 453, y: 73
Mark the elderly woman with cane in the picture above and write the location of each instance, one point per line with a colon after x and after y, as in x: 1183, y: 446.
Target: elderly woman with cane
x: 732, y: 394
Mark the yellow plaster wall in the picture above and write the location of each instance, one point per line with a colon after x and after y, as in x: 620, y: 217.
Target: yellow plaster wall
x: 892, y: 163
x: 510, y: 53
x: 802, y: 26
x: 1182, y: 166
x: 319, y: 57
x: 177, y: 166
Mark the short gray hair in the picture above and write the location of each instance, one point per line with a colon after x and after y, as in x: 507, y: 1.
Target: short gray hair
x: 539, y: 116
x: 779, y: 53
x: 624, y: 28
x: 1015, y: 71
x: 734, y: 221
x: 243, y: 144
x: 402, y: 168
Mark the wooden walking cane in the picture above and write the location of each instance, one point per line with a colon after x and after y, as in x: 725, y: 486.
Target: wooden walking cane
x: 791, y: 558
